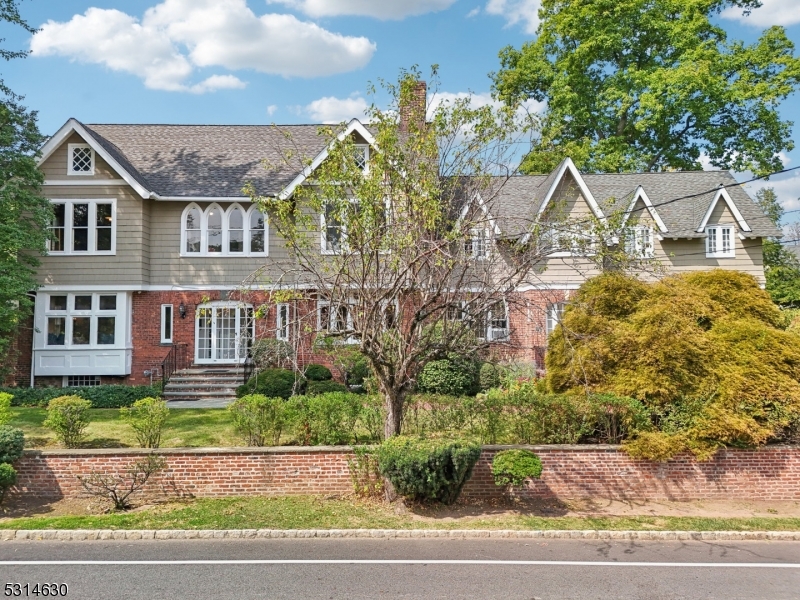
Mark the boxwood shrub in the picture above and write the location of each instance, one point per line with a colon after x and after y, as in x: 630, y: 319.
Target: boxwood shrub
x: 315, y: 388
x: 513, y: 467
x: 273, y: 383
x: 428, y: 469
x: 12, y: 441
x: 315, y: 372
x: 453, y: 376
x: 101, y: 396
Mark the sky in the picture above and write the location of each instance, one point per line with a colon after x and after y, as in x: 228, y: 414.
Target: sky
x: 286, y: 61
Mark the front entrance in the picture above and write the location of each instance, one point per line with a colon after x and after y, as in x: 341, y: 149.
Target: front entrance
x: 223, y: 332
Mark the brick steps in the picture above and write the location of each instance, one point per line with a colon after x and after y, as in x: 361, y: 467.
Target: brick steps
x: 205, y: 383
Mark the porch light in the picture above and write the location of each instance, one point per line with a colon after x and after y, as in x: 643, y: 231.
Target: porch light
x: 182, y: 310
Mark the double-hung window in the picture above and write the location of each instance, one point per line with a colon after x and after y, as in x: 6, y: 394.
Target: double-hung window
x: 566, y: 240
x: 81, y: 320
x: 639, y: 242
x: 83, y: 227
x: 335, y: 318
x: 720, y: 242
x: 333, y: 230
x: 498, y: 322
x: 224, y: 232
x: 476, y: 245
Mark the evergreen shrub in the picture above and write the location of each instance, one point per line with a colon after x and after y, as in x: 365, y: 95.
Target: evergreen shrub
x: 261, y: 420
x: 315, y: 388
x: 453, y: 376
x: 513, y: 467
x: 12, y: 442
x: 273, y: 383
x: 147, y: 417
x: 8, y: 477
x: 428, y: 468
x: 328, y: 419
x: 316, y: 372
x: 100, y: 396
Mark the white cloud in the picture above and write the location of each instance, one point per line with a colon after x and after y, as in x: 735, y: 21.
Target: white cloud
x: 478, y: 100
x: 787, y: 188
x: 516, y: 11
x: 176, y: 37
x: 474, y: 12
x: 379, y: 9
x: 772, y: 12
x: 272, y: 109
x: 335, y: 110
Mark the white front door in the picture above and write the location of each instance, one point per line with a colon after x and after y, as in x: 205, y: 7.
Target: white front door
x: 223, y: 332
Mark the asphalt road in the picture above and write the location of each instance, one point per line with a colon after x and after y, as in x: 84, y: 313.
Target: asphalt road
x: 428, y: 568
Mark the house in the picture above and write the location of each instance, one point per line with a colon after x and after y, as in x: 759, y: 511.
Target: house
x: 153, y: 238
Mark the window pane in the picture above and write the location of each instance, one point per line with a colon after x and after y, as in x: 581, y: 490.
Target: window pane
x: 81, y: 160
x: 193, y: 219
x: 55, y: 331
x: 256, y: 220
x: 236, y: 241
x: 236, y: 220
x: 80, y: 239
x: 166, y: 326
x: 103, y: 238
x: 59, y: 218
x: 83, y: 303
x: 256, y: 241
x: 81, y: 329
x: 193, y: 241
x: 80, y: 215
x: 104, y: 215
x: 215, y: 230
x: 105, y: 330
x: 108, y: 302
x: 58, y: 303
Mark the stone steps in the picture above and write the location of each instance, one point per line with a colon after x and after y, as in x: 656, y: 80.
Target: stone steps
x: 205, y: 383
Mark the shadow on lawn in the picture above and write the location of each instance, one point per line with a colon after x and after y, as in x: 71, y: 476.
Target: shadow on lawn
x: 470, y: 507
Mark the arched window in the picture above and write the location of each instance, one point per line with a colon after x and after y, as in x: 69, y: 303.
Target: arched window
x: 218, y: 232
x: 257, y: 232
x: 192, y: 227
x: 235, y: 230
x: 214, y: 227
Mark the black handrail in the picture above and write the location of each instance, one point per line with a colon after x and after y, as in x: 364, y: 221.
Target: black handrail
x: 174, y: 361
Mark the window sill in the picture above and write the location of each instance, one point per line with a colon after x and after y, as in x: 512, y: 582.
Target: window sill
x: 81, y: 253
x: 221, y: 255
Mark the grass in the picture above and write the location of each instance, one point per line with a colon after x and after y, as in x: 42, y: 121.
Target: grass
x: 310, y: 512
x: 185, y: 427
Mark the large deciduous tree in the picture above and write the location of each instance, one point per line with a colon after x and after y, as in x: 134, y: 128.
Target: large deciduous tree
x: 411, y: 268
x: 781, y: 265
x: 649, y: 85
x: 24, y: 213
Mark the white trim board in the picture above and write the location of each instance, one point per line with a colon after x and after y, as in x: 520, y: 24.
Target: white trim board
x: 80, y: 182
x: 353, y: 125
x: 723, y: 193
x: 640, y: 193
x: 568, y: 165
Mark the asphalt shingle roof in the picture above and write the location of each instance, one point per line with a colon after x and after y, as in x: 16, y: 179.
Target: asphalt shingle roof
x: 209, y: 160
x: 217, y: 161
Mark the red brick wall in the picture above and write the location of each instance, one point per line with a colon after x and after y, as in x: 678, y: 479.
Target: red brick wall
x: 772, y: 473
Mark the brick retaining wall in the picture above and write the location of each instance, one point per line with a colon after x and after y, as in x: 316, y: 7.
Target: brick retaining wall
x: 771, y: 473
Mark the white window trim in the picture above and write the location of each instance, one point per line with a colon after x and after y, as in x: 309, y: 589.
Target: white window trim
x: 591, y: 250
x: 323, y: 231
x: 164, y: 339
x: 331, y: 320
x: 66, y: 378
x: 70, y: 149
x: 479, y: 234
x: 93, y: 314
x: 555, y: 312
x: 635, y: 247
x: 225, y: 231
x: 716, y: 231
x: 279, y: 323
x: 92, y: 230
x: 494, y: 334
x: 366, y: 148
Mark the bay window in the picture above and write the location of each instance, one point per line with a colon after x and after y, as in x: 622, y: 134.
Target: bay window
x: 81, y: 320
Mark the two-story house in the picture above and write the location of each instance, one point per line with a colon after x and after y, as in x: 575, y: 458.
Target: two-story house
x: 153, y: 237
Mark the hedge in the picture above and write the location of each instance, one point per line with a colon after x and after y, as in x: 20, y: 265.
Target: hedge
x: 101, y: 396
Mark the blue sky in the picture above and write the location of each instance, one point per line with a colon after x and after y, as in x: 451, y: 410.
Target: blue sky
x: 282, y: 61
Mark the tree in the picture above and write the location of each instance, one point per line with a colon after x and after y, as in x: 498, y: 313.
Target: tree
x: 781, y: 265
x: 24, y: 213
x: 706, y: 352
x: 651, y: 85
x: 411, y: 272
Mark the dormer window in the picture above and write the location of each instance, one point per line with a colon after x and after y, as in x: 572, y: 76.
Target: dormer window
x: 639, y: 242
x: 80, y: 159
x: 361, y: 156
x: 720, y: 242
x: 476, y: 245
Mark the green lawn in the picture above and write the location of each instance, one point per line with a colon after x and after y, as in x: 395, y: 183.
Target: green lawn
x: 186, y: 427
x: 308, y: 512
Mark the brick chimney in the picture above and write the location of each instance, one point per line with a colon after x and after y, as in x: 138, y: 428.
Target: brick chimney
x: 413, y: 105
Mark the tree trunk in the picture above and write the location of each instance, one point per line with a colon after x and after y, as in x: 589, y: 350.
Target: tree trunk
x: 394, y: 412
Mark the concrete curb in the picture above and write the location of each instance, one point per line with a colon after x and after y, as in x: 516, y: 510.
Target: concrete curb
x: 249, y: 534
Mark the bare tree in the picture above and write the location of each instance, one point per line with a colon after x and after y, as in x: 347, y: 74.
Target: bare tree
x: 398, y: 252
